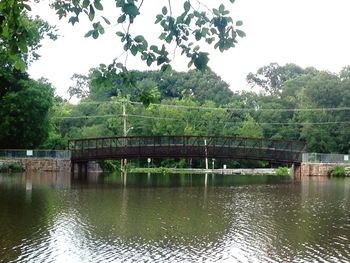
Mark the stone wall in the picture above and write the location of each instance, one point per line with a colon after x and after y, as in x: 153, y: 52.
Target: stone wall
x: 316, y: 169
x: 42, y: 164
x: 50, y: 164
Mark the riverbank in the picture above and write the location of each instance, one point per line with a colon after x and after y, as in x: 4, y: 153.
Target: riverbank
x: 10, y: 166
x: 163, y: 170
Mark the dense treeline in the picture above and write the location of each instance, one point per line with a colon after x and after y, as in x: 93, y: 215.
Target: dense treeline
x: 285, y: 102
x: 25, y: 103
x: 24, y: 113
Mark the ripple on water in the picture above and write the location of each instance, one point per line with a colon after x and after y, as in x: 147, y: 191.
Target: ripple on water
x: 249, y: 223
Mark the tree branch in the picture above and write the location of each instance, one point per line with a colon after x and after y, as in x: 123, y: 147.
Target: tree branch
x: 170, y: 10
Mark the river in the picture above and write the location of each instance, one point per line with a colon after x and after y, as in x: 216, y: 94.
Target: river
x: 173, y: 218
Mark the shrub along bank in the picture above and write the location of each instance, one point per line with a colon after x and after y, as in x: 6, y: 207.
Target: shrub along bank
x: 10, y: 167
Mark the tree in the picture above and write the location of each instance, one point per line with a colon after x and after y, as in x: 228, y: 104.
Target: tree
x: 20, y: 35
x: 201, y: 86
x: 80, y: 89
x: 320, y: 127
x: 250, y: 128
x: 344, y: 135
x: 56, y: 139
x: 24, y: 103
x: 195, y: 24
x: 271, y: 78
x: 24, y: 115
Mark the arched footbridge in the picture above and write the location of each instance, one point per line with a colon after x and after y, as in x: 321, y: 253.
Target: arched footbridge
x: 187, y: 146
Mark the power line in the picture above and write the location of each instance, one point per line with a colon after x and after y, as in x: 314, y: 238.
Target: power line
x: 200, y: 121
x: 221, y: 109
x: 115, y: 115
x: 221, y: 121
x: 86, y: 117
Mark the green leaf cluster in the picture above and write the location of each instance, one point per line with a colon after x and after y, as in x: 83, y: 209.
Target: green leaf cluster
x: 282, y: 171
x: 24, y: 114
x: 20, y: 35
x: 338, y: 171
x: 192, y: 25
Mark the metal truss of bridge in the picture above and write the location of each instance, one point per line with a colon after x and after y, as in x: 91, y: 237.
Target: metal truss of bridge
x: 187, y: 146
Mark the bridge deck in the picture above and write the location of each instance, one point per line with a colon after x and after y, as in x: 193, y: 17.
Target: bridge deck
x: 283, y: 151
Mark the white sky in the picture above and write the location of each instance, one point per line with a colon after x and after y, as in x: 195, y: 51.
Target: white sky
x: 305, y: 32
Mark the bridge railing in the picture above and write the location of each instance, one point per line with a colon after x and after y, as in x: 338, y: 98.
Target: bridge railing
x: 189, y: 141
x: 325, y: 158
x: 112, y: 142
x: 21, y: 153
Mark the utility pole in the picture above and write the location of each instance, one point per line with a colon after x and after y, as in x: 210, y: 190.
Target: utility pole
x: 206, y: 160
x: 123, y: 162
x: 206, y: 154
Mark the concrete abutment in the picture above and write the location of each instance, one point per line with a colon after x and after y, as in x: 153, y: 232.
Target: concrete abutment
x: 54, y: 165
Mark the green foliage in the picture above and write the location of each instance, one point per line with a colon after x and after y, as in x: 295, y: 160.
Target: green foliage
x: 147, y: 92
x: 109, y: 165
x: 201, y: 86
x: 282, y: 171
x: 24, y: 114
x: 303, y: 93
x: 271, y: 78
x: 20, y: 35
x: 24, y: 103
x: 154, y: 170
x: 11, y: 167
x: 250, y: 128
x: 80, y: 88
x: 337, y: 171
x: 198, y: 103
x: 57, y: 138
x: 321, y: 90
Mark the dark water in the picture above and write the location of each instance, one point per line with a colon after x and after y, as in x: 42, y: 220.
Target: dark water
x: 49, y: 218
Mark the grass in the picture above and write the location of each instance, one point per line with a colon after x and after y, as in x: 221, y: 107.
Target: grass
x: 337, y: 171
x: 164, y: 170
x: 155, y: 170
x: 282, y: 171
x: 11, y: 167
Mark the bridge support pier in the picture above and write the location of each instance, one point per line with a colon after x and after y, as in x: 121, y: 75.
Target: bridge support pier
x: 81, y: 171
x: 72, y: 168
x: 295, y: 170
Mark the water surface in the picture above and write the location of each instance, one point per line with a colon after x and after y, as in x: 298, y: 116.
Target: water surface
x: 173, y: 218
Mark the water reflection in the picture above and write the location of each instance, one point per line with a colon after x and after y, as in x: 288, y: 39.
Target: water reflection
x: 173, y: 180
x: 174, y: 218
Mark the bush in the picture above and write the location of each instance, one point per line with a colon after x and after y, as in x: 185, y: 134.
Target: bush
x: 109, y: 165
x: 284, y: 171
x: 11, y: 167
x: 156, y: 170
x: 337, y: 171
x: 3, y: 168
